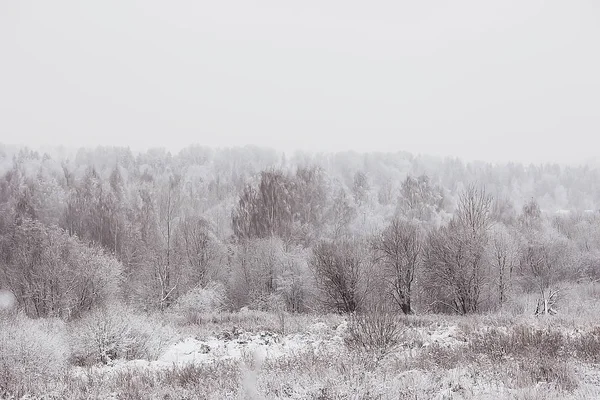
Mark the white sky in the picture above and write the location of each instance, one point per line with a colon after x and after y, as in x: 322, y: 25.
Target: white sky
x: 493, y: 80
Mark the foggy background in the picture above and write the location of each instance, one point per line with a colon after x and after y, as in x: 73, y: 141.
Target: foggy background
x: 498, y: 81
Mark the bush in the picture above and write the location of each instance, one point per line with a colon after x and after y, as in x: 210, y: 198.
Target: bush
x: 549, y: 370
x: 340, y: 270
x: 116, y: 332
x: 439, y: 356
x: 201, y: 300
x: 377, y: 330
x: 52, y: 274
x: 33, y: 354
x: 519, y: 341
x: 586, y: 347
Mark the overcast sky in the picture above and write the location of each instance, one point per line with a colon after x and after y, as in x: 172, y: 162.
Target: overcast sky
x: 493, y: 80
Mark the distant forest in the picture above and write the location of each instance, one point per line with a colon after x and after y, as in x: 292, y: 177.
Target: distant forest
x: 337, y: 232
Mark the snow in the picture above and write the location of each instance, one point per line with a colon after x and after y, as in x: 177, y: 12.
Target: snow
x: 234, y: 345
x: 239, y: 345
x: 7, y: 299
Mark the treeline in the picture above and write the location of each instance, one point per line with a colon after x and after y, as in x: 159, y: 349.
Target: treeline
x: 339, y: 232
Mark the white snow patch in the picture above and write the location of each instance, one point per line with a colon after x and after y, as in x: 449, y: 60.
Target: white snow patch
x: 7, y: 299
x: 228, y: 346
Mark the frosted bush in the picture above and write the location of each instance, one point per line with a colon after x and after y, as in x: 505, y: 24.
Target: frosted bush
x: 117, y: 332
x: 32, y: 354
x: 206, y: 299
x: 53, y: 274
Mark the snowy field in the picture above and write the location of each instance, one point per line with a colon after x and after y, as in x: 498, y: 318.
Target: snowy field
x: 251, y: 355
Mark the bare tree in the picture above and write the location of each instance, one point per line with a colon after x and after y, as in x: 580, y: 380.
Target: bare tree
x: 474, y: 210
x: 266, y: 210
x: 169, y: 206
x: 341, y: 214
x: 256, y: 265
x: 504, y: 258
x: 339, y: 269
x: 503, y: 210
x: 310, y: 200
x: 545, y: 261
x: 195, y: 242
x: 360, y: 187
x: 455, y: 254
x: 531, y: 215
x: 399, y: 250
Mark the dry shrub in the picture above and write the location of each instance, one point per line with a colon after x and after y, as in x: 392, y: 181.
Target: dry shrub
x: 520, y: 341
x: 218, y: 380
x: 249, y: 321
x: 438, y: 356
x: 586, y: 347
x: 117, y: 332
x: 548, y: 370
x: 33, y: 354
x: 540, y: 354
x: 377, y: 330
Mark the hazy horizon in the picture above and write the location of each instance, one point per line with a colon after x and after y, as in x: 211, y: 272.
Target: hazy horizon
x: 66, y: 152
x: 502, y: 81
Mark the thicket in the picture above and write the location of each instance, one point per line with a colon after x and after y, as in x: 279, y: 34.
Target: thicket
x: 337, y: 232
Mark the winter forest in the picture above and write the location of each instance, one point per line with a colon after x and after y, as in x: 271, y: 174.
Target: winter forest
x: 110, y: 258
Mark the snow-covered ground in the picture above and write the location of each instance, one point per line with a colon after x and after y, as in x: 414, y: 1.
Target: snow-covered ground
x: 411, y: 369
x: 240, y: 345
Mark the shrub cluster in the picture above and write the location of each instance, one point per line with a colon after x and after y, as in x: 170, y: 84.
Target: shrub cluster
x: 117, y: 332
x: 377, y: 330
x: 33, y: 354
